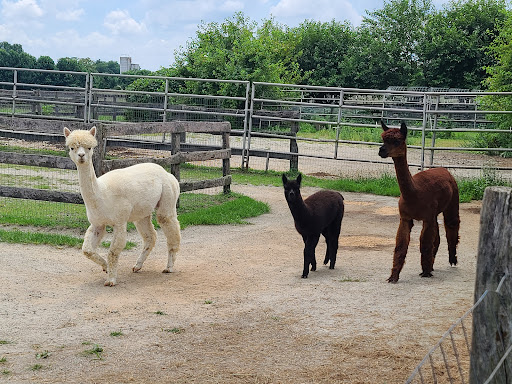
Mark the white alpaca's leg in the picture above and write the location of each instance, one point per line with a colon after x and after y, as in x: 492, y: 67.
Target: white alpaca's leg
x: 92, y: 239
x: 148, y: 234
x: 116, y: 246
x: 171, y: 228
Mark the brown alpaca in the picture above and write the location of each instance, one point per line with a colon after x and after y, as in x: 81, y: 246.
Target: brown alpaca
x: 422, y: 197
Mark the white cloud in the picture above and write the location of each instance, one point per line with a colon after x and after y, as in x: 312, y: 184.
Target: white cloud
x: 22, y: 9
x: 120, y: 22
x: 293, y: 12
x: 70, y: 14
x: 232, y: 6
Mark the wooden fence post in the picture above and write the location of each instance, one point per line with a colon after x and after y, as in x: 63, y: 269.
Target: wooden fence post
x: 175, y: 148
x: 226, y: 165
x: 99, y: 151
x: 492, y: 319
x: 294, y: 148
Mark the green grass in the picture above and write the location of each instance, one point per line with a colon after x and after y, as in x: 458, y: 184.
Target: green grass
x: 385, y: 185
x: 202, y: 209
x: 195, y: 209
x: 96, y: 350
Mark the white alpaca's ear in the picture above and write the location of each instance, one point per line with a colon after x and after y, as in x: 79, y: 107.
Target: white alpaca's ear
x: 93, y: 131
x: 67, y: 132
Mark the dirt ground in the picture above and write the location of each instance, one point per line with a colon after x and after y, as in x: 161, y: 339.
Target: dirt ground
x: 235, y: 310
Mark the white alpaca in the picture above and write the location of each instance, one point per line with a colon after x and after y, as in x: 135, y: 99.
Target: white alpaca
x: 120, y: 196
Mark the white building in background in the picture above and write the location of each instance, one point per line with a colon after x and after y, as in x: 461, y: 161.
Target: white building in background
x: 125, y: 64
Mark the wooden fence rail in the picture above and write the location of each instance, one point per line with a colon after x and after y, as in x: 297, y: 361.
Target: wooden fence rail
x: 41, y: 130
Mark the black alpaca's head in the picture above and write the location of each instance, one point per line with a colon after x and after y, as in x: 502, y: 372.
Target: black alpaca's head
x: 292, y: 188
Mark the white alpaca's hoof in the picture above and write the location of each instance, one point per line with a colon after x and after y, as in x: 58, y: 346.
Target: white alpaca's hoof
x: 136, y: 269
x: 110, y: 283
x: 167, y: 270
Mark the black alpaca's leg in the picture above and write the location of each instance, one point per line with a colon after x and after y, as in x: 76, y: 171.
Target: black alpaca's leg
x: 427, y: 239
x: 334, y: 240
x: 310, y: 243
x: 332, y: 234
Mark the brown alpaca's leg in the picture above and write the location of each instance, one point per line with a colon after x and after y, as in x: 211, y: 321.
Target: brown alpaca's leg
x: 437, y: 240
x: 403, y: 237
x: 451, y: 226
x: 427, y: 245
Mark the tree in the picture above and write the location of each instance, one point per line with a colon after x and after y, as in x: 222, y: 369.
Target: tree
x: 322, y: 52
x: 499, y: 80
x: 45, y: 62
x: 240, y: 50
x: 388, y: 40
x: 12, y: 55
x: 453, y: 51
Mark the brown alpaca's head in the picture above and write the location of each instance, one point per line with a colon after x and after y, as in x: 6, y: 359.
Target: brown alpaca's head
x: 394, y: 141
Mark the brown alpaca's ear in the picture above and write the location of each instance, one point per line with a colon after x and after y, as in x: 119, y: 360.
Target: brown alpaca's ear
x: 403, y: 129
x: 285, y: 179
x: 299, y: 179
x: 383, y: 125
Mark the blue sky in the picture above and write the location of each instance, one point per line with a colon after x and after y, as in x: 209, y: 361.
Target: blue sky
x: 147, y: 30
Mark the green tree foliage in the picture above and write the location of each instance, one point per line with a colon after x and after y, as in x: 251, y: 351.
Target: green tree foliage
x: 323, y: 51
x: 500, y: 80
x: 238, y: 49
x: 387, y: 46
x: 454, y: 50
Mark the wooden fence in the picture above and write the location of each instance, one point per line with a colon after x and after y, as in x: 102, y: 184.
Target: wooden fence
x: 109, y: 135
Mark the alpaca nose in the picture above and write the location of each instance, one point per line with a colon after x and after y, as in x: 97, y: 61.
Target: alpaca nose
x: 383, y: 152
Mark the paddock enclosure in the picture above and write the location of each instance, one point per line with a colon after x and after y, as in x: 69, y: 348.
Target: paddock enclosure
x: 236, y: 309
x: 459, y: 129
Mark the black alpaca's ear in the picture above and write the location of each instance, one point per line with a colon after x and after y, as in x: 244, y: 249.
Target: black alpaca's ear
x: 403, y: 129
x: 285, y: 179
x: 383, y: 125
x: 299, y: 179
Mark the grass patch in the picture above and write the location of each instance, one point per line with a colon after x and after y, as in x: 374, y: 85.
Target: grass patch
x: 232, y: 211
x: 385, y: 185
x: 116, y: 333
x: 21, y: 237
x: 174, y: 330
x: 96, y: 350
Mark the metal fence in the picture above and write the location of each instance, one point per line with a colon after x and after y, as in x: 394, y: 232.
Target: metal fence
x: 324, y: 131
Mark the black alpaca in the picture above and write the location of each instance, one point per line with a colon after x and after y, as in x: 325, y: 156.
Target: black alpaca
x: 320, y: 213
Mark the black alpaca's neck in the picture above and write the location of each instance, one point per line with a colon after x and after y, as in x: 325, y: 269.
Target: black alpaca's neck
x: 298, y: 208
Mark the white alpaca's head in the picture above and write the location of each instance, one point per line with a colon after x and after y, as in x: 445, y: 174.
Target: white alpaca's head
x: 81, y: 143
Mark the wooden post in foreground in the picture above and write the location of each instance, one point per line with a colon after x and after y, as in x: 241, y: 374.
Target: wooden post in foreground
x: 492, y: 318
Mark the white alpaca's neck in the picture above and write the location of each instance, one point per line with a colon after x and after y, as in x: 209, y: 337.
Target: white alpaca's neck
x: 88, y: 184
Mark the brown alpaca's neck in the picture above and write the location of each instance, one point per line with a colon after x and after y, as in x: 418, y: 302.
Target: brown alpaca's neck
x: 404, y: 177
